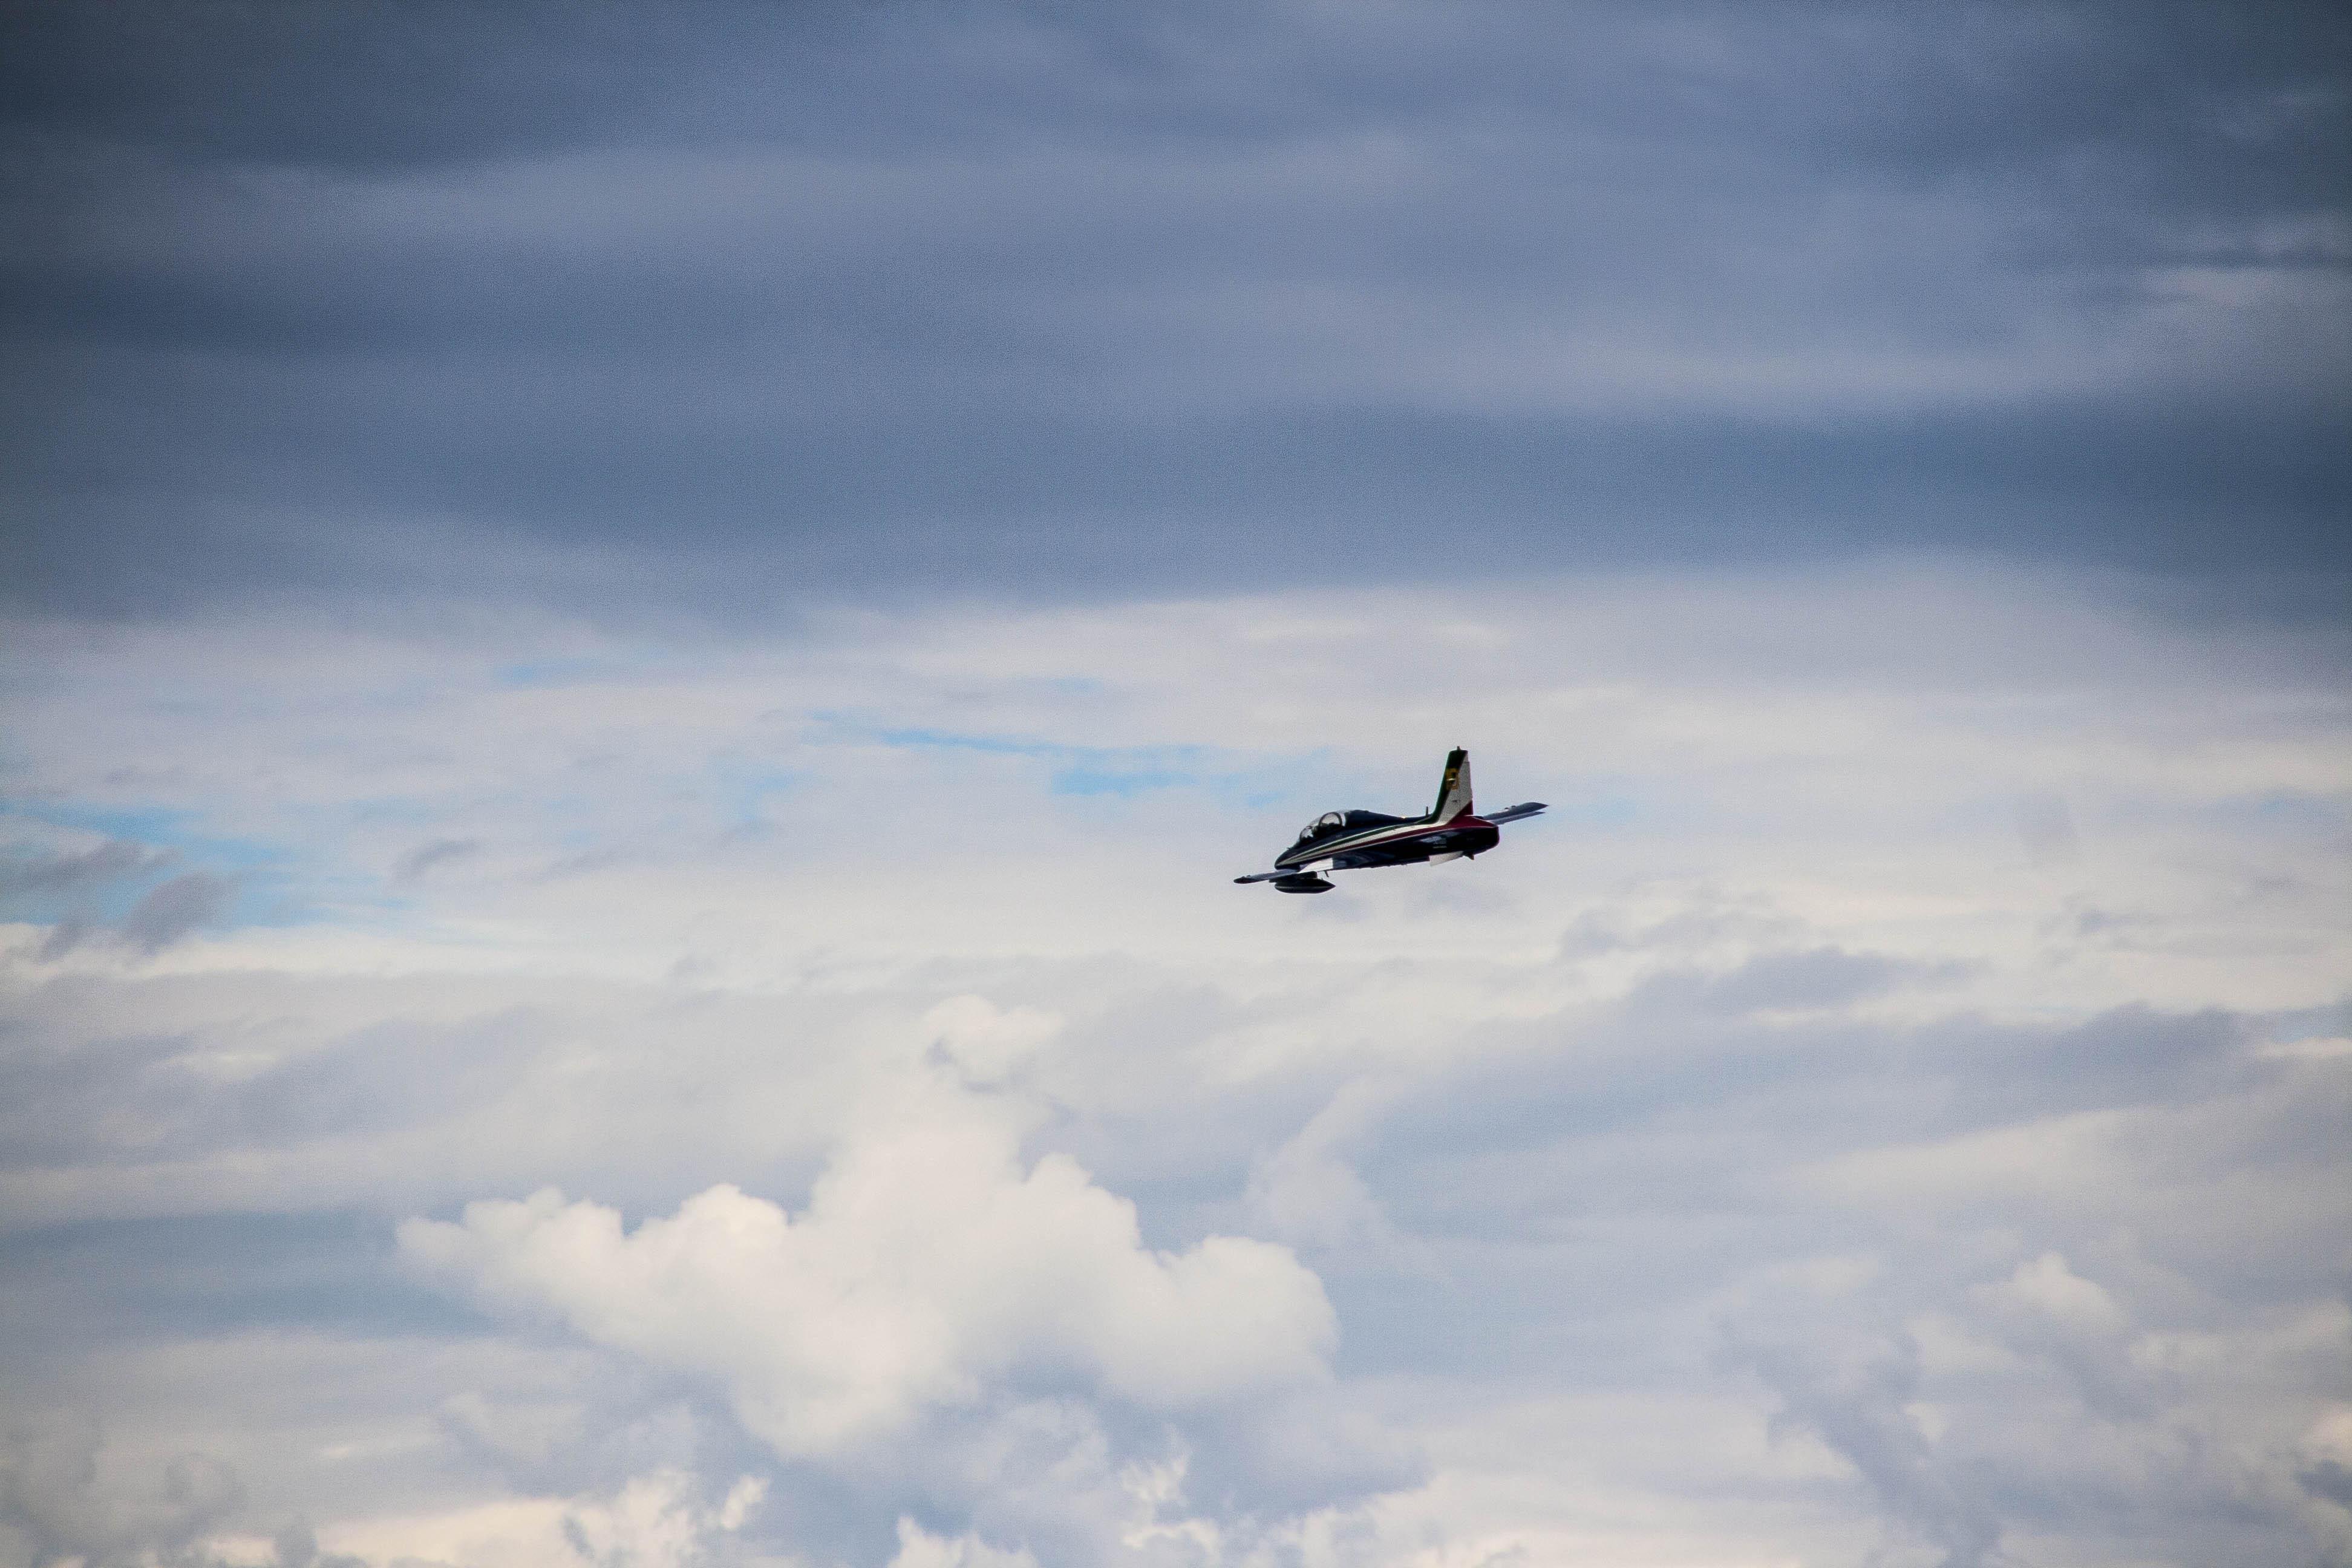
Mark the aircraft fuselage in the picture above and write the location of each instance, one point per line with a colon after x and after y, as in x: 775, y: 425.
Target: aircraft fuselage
x: 1364, y: 839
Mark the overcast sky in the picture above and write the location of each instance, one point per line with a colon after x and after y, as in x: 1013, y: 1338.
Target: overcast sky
x: 641, y: 643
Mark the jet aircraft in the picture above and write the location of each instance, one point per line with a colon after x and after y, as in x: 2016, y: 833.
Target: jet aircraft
x: 1352, y: 839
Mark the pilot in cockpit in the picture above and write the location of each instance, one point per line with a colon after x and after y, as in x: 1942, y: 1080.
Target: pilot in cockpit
x: 1328, y: 822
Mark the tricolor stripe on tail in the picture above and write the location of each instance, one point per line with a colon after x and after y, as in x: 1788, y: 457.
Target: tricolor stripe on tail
x: 1453, y: 790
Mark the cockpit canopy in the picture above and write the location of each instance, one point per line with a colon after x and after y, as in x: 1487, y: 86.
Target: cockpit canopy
x: 1330, y: 821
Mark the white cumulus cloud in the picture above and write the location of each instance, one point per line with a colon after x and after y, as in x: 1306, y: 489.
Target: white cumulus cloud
x: 930, y: 1265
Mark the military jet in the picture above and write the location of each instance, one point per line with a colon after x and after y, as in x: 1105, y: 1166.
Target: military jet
x: 1349, y: 840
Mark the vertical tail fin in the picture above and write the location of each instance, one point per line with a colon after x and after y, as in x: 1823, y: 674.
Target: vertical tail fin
x: 1453, y: 790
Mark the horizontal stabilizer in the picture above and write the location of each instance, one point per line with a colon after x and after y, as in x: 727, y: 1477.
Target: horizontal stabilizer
x: 1514, y: 814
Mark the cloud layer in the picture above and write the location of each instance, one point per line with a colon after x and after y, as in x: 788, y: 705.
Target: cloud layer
x: 1793, y: 1143
x: 724, y: 307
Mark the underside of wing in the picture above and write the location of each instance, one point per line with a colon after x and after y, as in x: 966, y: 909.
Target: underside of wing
x: 1265, y: 876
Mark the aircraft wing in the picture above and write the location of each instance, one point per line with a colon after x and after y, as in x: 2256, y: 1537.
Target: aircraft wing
x: 1270, y: 875
x: 1514, y: 813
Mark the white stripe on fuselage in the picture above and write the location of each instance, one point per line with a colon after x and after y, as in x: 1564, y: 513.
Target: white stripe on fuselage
x: 1374, y: 838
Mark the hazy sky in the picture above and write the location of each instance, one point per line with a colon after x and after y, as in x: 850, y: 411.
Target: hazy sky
x: 641, y: 643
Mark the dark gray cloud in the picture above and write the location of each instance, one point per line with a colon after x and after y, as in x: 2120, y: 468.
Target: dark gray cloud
x: 61, y: 1504
x: 410, y: 83
x: 387, y: 1078
x: 66, y: 872
x: 51, y: 1492
x: 70, y: 932
x: 1680, y: 1051
x: 162, y: 915
x: 172, y: 909
x: 1817, y: 977
x: 1850, y: 1390
x: 437, y: 852
x: 733, y: 303
x: 2331, y: 1480
x: 121, y: 1283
